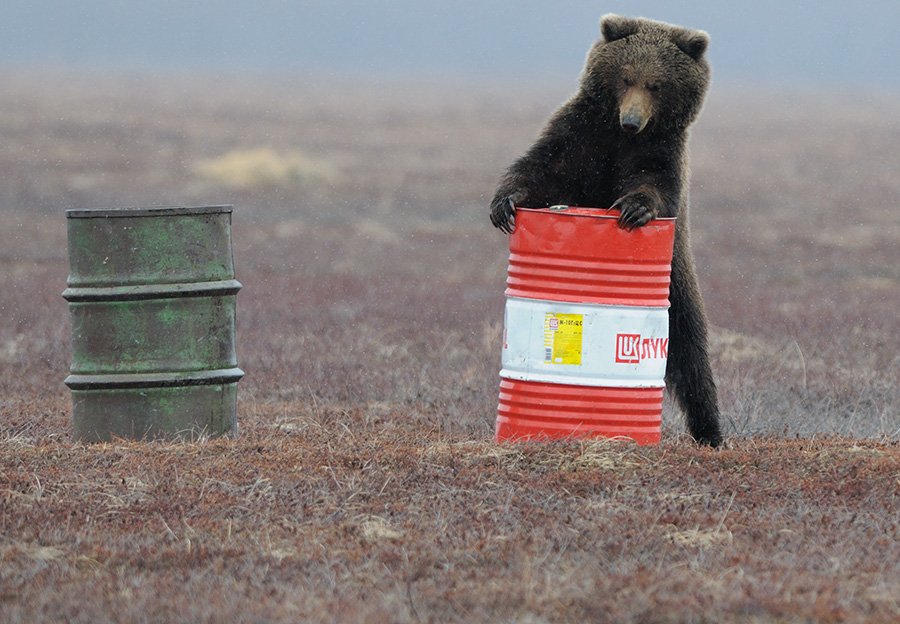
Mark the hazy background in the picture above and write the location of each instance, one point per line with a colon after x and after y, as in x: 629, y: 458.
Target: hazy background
x: 807, y: 43
x: 361, y: 141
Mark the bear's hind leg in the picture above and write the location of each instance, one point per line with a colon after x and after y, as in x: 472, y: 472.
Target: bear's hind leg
x: 688, y: 371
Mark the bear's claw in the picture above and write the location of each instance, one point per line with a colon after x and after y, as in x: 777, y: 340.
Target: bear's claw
x: 503, y: 214
x: 635, y: 211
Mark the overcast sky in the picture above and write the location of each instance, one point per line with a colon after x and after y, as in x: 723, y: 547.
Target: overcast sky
x: 804, y: 42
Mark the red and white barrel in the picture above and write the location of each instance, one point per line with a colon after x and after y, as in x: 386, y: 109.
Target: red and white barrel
x: 586, y: 329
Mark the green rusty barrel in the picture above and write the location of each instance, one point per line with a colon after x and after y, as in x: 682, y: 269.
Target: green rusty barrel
x: 152, y: 294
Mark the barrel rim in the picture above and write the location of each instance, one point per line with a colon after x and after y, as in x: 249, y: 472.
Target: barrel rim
x: 140, y: 292
x: 148, y: 211
x: 561, y: 379
x: 124, y: 381
x: 584, y: 211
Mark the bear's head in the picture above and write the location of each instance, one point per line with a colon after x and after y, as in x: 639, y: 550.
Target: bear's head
x: 649, y: 75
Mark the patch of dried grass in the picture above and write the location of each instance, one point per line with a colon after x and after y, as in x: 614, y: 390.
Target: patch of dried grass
x: 377, y: 529
x: 263, y: 167
x: 700, y: 538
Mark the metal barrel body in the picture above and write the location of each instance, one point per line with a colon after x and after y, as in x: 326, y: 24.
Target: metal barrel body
x: 586, y: 327
x: 152, y: 299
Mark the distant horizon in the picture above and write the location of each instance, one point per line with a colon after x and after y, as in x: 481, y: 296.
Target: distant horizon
x: 291, y: 80
x: 807, y: 44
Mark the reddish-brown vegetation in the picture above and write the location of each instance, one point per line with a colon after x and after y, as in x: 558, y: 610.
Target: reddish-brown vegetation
x: 364, y: 485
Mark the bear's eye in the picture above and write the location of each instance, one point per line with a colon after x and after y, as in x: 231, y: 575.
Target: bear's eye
x: 653, y: 87
x: 628, y: 82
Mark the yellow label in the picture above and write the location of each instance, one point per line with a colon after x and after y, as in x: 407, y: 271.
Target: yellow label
x: 562, y: 338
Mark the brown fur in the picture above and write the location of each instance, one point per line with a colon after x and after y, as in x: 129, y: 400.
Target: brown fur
x: 621, y: 141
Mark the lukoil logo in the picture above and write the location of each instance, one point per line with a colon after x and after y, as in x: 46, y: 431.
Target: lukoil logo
x: 631, y: 348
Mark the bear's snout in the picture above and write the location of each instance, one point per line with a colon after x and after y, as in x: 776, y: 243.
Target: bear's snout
x: 636, y: 110
x: 632, y: 122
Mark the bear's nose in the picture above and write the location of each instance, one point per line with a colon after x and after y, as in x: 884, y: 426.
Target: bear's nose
x: 631, y: 122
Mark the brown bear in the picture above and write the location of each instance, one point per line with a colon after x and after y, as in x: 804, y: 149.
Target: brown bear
x: 620, y: 142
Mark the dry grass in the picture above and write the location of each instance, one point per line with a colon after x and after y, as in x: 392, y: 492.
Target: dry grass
x: 262, y: 167
x: 364, y: 485
x: 350, y: 515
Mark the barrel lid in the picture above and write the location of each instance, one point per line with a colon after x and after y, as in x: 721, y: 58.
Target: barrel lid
x: 584, y: 211
x: 151, y: 211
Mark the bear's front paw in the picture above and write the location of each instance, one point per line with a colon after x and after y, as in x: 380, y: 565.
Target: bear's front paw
x: 637, y: 210
x: 503, y: 214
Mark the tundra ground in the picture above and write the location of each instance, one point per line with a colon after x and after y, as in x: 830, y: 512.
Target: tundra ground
x: 364, y: 484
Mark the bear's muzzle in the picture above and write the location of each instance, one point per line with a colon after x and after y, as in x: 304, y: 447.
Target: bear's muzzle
x: 636, y: 110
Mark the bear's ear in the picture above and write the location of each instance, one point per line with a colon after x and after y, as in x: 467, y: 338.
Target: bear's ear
x: 692, y: 42
x: 617, y: 27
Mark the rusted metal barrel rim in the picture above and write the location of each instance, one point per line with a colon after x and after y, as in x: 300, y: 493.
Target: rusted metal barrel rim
x: 154, y: 291
x: 149, y: 211
x: 155, y: 380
